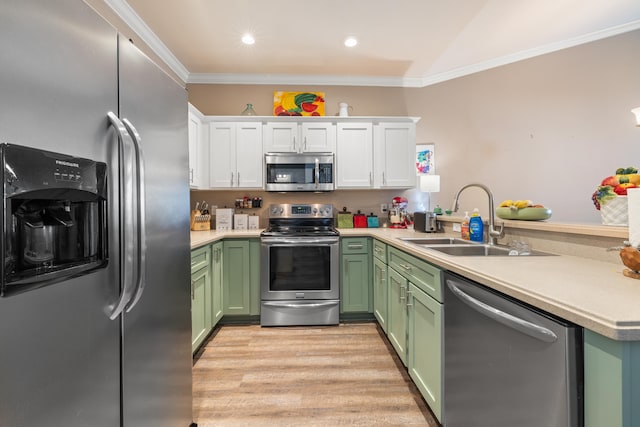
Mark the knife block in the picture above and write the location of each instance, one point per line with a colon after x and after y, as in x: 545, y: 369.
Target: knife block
x: 200, y: 222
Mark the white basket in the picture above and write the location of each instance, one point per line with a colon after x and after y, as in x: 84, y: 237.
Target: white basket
x: 615, y: 211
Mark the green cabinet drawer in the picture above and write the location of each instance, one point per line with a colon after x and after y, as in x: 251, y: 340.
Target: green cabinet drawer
x: 380, y: 250
x: 200, y: 258
x: 355, y: 245
x: 420, y: 273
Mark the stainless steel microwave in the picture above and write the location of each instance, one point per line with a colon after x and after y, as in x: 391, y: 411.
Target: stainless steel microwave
x: 299, y: 172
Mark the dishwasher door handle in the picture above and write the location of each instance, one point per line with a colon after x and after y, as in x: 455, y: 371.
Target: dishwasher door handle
x: 521, y: 325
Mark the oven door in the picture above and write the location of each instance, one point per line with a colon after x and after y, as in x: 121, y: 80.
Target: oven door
x: 299, y: 268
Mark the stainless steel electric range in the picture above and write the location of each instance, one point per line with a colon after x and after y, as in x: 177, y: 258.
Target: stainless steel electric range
x: 300, y: 280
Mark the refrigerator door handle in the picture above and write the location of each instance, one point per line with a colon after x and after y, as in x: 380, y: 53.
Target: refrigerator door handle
x: 521, y: 325
x: 141, y: 215
x: 126, y: 257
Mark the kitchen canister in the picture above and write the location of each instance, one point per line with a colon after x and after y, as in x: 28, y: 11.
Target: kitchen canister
x: 360, y: 220
x: 345, y: 219
x: 372, y: 221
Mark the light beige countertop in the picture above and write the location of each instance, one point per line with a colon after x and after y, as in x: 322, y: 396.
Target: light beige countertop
x: 201, y: 238
x: 591, y: 293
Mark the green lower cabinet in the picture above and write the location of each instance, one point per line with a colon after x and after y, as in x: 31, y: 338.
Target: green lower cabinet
x: 241, y: 276
x: 216, y: 284
x: 356, y: 284
x: 406, y: 301
x: 611, y: 382
x: 237, y: 277
x: 424, y: 347
x: 380, y: 293
x: 355, y: 275
x: 397, y: 314
x: 200, y: 296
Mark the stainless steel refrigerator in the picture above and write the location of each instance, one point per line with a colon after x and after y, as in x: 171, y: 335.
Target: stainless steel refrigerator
x: 68, y: 356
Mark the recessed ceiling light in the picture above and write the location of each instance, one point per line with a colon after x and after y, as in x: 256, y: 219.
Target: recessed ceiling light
x: 248, y: 39
x: 350, y: 42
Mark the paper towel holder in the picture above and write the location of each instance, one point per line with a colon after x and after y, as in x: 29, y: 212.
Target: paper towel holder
x: 636, y: 112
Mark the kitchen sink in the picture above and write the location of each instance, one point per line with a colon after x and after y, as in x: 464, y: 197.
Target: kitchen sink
x: 482, y: 250
x: 435, y: 241
x: 460, y: 247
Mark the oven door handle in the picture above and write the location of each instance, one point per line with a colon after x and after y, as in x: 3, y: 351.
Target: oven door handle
x: 317, y: 174
x: 299, y: 305
x: 300, y: 240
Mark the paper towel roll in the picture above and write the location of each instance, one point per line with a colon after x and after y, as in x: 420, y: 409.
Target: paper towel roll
x: 633, y: 197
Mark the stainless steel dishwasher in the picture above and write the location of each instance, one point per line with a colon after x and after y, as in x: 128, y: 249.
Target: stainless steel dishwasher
x: 508, y: 364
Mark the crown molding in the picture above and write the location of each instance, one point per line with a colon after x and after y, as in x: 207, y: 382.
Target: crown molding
x: 309, y: 80
x: 133, y: 20
x: 530, y: 53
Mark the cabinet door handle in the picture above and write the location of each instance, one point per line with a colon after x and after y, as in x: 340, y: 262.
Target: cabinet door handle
x: 231, y: 179
x: 403, y: 293
x: 294, y: 144
x: 238, y: 179
x: 408, y: 298
x: 355, y: 245
x: 191, y: 175
x: 305, y: 144
x: 370, y: 178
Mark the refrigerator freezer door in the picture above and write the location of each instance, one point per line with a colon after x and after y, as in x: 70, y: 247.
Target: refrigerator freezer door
x: 59, y: 351
x: 157, y: 329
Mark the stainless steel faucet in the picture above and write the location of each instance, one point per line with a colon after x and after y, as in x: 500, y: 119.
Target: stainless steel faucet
x: 493, y: 234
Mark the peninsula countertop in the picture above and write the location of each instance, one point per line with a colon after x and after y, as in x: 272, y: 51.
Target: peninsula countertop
x: 593, y: 294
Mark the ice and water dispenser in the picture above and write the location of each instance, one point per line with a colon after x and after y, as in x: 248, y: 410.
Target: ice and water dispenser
x: 54, y: 214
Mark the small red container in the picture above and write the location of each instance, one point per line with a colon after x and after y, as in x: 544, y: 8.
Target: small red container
x: 360, y: 220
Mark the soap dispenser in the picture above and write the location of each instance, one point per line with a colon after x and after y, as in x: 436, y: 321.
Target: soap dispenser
x: 476, y: 227
x: 464, y: 228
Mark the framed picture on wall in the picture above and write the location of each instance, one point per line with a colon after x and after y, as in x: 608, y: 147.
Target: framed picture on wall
x: 425, y: 159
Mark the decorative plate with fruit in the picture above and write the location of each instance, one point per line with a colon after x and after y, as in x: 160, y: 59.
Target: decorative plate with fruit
x: 524, y: 210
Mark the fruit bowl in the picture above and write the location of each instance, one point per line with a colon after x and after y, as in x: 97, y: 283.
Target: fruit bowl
x: 524, y: 214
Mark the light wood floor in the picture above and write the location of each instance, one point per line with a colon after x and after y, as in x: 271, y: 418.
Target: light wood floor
x: 304, y: 376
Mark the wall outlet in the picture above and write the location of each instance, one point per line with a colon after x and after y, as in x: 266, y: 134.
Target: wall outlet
x: 457, y: 227
x: 384, y: 207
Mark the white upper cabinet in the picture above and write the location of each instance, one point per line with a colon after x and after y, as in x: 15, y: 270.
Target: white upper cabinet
x: 198, y: 153
x: 299, y: 137
x: 227, y: 152
x: 354, y: 155
x: 235, y: 155
x: 394, y: 151
x: 379, y: 155
x: 318, y: 137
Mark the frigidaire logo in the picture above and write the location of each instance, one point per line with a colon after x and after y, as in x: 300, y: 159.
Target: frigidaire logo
x: 64, y: 163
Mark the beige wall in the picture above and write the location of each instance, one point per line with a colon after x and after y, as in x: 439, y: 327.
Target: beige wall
x: 547, y: 129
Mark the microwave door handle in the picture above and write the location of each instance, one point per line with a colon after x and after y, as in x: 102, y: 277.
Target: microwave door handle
x: 141, y: 215
x: 317, y: 174
x: 125, y: 146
